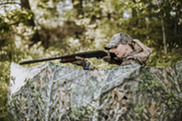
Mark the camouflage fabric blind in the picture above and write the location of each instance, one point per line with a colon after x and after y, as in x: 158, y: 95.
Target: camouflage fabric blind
x: 129, y: 93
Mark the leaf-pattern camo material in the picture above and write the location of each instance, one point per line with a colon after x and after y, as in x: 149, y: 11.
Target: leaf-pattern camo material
x: 127, y: 93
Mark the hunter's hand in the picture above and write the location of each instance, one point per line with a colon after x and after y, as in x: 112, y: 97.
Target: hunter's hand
x: 80, y: 61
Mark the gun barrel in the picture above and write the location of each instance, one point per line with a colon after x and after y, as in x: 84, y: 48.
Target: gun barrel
x: 38, y: 60
x: 90, y: 54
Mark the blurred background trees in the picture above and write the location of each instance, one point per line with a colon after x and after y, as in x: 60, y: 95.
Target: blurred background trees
x: 32, y: 29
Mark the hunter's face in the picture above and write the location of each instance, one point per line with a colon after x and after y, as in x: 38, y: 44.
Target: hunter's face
x: 120, y: 50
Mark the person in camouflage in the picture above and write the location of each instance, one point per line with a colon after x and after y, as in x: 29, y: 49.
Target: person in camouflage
x: 127, y: 51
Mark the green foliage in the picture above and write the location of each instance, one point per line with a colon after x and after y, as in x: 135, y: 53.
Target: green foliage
x: 159, y: 59
x: 3, y: 100
x: 92, y: 10
x: 4, y: 27
x: 20, y: 16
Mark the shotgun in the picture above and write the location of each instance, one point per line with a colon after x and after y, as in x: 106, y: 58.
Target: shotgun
x: 99, y: 54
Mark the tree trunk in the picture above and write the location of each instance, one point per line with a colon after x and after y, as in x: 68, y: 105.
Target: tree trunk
x: 36, y: 38
x: 164, y: 35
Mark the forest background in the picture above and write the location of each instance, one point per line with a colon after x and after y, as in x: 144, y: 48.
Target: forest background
x: 33, y: 29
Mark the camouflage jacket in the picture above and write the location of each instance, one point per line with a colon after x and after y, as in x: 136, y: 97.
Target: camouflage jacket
x: 139, y: 54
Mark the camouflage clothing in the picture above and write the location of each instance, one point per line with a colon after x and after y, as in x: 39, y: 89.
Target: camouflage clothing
x: 139, y: 54
x: 118, y: 38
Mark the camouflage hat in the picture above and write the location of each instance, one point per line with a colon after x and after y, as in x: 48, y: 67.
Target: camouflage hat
x: 118, y: 38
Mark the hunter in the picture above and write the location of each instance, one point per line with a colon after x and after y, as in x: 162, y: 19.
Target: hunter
x: 127, y: 51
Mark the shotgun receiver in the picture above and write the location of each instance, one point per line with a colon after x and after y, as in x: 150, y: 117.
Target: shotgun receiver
x: 99, y: 54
